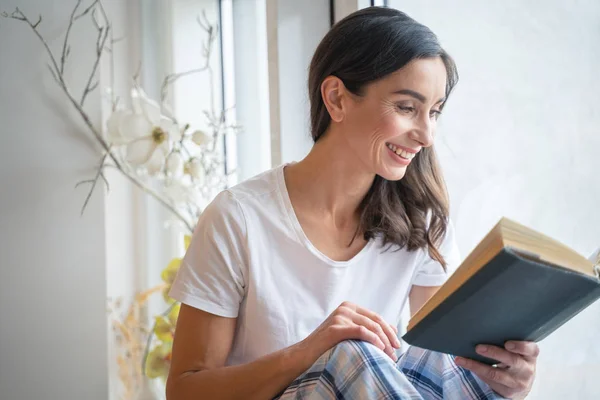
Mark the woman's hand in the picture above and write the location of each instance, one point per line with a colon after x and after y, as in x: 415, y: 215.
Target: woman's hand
x: 512, y: 378
x: 350, y: 321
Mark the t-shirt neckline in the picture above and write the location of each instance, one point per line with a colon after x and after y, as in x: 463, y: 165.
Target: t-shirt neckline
x: 293, y: 219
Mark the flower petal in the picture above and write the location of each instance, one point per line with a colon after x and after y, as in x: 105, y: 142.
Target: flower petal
x: 140, y: 151
x: 143, y: 105
x: 162, y: 329
x: 171, y: 128
x: 156, y: 162
x: 196, y: 170
x: 168, y: 274
x: 159, y: 361
x: 166, y: 297
x: 175, y: 164
x: 113, y: 133
x: 201, y: 138
x: 133, y: 126
x: 174, y: 314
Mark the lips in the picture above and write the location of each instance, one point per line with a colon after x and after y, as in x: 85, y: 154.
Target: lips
x: 401, y: 152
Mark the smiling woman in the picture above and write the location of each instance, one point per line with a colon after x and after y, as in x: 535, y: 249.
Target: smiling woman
x: 396, y: 103
x: 295, y: 278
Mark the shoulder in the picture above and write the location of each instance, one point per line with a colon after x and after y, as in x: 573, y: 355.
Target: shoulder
x: 231, y: 200
x: 256, y: 196
x: 258, y: 186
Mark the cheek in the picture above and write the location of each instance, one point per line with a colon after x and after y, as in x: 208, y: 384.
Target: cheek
x: 393, y: 125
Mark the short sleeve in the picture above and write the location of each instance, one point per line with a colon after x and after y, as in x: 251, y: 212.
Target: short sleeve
x: 212, y: 275
x: 429, y: 271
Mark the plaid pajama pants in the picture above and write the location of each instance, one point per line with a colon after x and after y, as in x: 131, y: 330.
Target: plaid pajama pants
x: 358, y: 370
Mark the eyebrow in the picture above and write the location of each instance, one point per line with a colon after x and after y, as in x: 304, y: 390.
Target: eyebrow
x: 416, y: 95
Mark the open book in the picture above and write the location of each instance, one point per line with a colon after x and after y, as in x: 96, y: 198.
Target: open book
x: 517, y: 284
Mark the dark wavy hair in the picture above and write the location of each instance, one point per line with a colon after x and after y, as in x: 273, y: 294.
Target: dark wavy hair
x: 360, y: 49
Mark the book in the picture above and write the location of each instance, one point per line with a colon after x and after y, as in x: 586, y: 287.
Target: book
x: 517, y: 284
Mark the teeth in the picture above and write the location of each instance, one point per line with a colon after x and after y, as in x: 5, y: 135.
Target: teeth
x: 400, y: 152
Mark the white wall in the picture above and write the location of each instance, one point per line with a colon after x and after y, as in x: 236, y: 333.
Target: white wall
x: 251, y: 87
x: 302, y: 25
x: 53, y: 289
x: 520, y: 138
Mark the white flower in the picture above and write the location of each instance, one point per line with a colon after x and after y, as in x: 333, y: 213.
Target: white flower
x: 175, y: 164
x: 113, y: 131
x: 147, y: 133
x: 201, y: 138
x: 195, y: 170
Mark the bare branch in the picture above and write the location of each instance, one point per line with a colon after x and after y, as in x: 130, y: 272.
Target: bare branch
x: 171, y: 78
x: 54, y: 74
x: 105, y: 181
x: 83, y: 182
x: 86, y: 11
x: 208, y: 46
x: 153, y: 193
x: 94, y: 20
x: 201, y: 23
x: 136, y: 75
x: 17, y: 14
x: 103, y: 33
x: 38, y: 22
x: 58, y: 76
x: 99, y: 174
x: 63, y: 57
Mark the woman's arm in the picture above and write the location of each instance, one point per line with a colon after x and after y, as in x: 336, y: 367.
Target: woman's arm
x: 419, y: 295
x: 203, y: 342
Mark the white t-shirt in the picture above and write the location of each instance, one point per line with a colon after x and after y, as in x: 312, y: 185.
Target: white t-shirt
x: 250, y: 259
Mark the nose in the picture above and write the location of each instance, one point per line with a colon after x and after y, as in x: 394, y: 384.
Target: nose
x: 423, y: 132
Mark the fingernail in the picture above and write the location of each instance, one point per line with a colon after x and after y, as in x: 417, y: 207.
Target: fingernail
x: 482, y: 348
x: 511, y: 346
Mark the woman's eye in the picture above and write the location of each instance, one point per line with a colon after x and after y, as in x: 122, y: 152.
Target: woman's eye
x: 406, y: 109
x: 435, y: 114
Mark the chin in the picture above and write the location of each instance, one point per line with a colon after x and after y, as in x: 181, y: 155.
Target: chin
x: 392, y: 174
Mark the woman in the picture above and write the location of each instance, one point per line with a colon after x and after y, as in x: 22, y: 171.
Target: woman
x: 294, y: 281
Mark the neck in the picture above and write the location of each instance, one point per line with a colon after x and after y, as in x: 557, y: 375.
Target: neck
x: 330, y: 180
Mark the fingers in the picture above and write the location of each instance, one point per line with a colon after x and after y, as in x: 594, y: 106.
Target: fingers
x: 363, y: 333
x: 529, y: 350
x: 387, y: 328
x: 376, y: 329
x: 499, y: 354
x: 488, y: 373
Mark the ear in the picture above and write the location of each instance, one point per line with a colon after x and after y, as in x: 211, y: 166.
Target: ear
x: 332, y: 92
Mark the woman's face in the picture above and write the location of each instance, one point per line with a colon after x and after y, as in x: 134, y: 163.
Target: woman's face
x: 396, y: 117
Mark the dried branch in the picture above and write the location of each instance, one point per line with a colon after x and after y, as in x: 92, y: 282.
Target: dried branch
x: 87, y: 10
x: 211, y: 30
x: 171, y: 78
x: 93, y: 182
x: 103, y: 34
x: 63, y: 58
x: 18, y: 15
x: 146, y: 189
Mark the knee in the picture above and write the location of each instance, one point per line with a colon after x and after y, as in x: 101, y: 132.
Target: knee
x: 357, y: 349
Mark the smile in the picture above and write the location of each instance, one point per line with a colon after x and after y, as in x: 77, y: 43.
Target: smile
x: 401, y: 153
